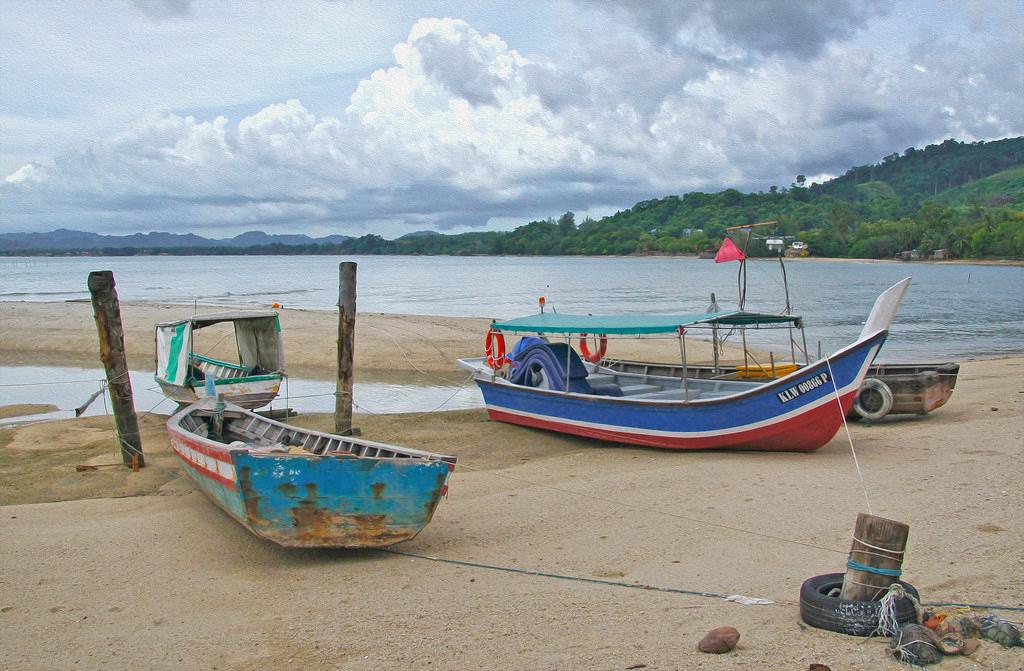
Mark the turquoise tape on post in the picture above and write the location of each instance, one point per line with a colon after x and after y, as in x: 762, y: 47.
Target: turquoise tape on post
x: 857, y: 566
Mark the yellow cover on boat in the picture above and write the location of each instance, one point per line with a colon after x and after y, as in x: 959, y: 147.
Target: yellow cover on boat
x: 756, y: 371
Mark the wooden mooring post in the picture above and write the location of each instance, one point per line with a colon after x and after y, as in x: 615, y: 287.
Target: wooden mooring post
x: 876, y: 557
x: 107, y: 311
x: 346, y: 345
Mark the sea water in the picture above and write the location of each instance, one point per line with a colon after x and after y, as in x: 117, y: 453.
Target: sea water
x: 951, y: 312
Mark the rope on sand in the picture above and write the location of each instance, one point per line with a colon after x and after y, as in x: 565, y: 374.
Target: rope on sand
x: 979, y: 606
x: 737, y: 598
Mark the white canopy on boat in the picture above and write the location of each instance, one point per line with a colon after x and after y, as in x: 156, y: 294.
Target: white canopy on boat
x: 257, y: 335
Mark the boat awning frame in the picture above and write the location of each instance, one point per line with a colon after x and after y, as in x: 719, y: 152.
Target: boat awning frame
x: 639, y: 324
x: 200, y: 321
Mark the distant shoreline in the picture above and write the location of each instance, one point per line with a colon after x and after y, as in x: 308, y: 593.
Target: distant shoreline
x: 801, y: 259
x: 925, y: 262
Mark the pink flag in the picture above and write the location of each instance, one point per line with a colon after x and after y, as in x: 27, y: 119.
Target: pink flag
x: 728, y: 252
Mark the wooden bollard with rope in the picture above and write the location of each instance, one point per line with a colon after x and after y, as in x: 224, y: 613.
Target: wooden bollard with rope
x: 107, y: 311
x: 876, y: 557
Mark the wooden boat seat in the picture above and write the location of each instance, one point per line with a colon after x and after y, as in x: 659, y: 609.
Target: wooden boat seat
x: 222, y: 370
x: 635, y: 389
x: 717, y: 394
x: 670, y: 395
x: 723, y: 386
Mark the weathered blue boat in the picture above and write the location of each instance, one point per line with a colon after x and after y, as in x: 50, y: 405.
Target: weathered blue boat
x: 304, y: 488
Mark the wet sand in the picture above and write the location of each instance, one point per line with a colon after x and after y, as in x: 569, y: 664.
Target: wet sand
x: 64, y: 334
x: 109, y: 569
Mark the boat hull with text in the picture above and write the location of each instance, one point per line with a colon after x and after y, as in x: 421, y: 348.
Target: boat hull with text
x: 549, y: 387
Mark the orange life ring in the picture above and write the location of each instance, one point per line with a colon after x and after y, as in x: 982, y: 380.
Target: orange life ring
x: 498, y: 360
x: 602, y: 348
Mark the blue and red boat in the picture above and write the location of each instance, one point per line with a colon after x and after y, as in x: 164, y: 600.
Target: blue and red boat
x: 545, y: 383
x: 304, y: 488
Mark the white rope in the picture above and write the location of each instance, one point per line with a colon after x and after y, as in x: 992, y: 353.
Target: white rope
x: 878, y: 590
x: 405, y: 354
x: 461, y: 387
x: 887, y: 622
x: 901, y: 652
x: 876, y: 547
x: 454, y: 394
x: 856, y: 462
x: 873, y: 554
x: 888, y: 625
x: 42, y: 384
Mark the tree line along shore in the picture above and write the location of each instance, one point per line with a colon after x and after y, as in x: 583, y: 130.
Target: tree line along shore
x: 952, y: 200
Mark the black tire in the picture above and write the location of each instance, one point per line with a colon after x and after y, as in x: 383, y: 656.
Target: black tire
x: 873, y: 401
x: 846, y: 616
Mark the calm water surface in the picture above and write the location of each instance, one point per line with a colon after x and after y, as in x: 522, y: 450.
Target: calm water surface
x: 951, y: 311
x: 67, y: 388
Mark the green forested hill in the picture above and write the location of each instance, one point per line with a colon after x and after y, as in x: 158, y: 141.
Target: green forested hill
x: 1003, y: 188
x: 964, y: 198
x: 932, y: 170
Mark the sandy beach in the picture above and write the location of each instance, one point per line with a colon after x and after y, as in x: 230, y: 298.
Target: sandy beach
x: 109, y: 569
x: 65, y: 334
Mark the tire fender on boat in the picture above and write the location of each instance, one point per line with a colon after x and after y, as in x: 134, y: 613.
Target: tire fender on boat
x: 602, y: 348
x: 874, y: 399
x: 495, y: 341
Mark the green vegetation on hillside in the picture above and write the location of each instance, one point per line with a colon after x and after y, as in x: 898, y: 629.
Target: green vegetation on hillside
x: 1004, y: 188
x: 964, y: 198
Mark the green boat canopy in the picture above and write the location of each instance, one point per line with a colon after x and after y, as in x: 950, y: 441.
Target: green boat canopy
x: 555, y: 322
x: 257, y: 334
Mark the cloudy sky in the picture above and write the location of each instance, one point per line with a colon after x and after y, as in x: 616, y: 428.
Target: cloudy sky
x: 316, y: 116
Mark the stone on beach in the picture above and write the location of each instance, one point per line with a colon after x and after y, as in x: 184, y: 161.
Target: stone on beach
x: 719, y: 640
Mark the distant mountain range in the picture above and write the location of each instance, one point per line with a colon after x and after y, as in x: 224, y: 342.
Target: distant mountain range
x: 64, y: 239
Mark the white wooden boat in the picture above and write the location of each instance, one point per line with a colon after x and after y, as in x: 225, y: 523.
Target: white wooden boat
x: 251, y: 381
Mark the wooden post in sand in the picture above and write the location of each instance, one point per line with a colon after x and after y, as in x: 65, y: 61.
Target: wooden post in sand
x: 346, y: 344
x: 107, y: 311
x: 876, y: 557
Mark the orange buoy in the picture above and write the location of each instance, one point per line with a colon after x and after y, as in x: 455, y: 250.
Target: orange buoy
x: 494, y: 348
x: 602, y: 347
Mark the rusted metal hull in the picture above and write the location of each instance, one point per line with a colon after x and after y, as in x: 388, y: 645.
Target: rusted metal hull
x: 310, y: 500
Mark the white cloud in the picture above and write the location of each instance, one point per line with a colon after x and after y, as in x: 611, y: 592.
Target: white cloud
x: 462, y: 128
x: 30, y: 172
